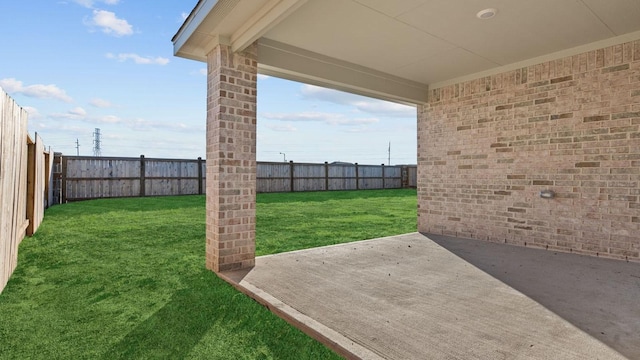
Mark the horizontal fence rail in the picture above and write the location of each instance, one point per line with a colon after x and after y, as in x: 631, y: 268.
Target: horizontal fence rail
x: 86, y: 177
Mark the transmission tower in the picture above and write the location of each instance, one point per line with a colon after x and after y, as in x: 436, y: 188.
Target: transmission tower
x: 389, y: 160
x: 96, y: 143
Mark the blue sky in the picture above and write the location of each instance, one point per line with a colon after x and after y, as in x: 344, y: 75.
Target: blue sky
x: 77, y: 65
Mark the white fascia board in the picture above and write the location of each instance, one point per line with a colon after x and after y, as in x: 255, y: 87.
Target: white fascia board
x: 208, y: 22
x: 201, y: 32
x: 190, y: 26
x: 262, y: 21
x: 289, y: 62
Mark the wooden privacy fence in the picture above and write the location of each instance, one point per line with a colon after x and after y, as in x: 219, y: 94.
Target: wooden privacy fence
x: 282, y: 177
x: 87, y: 177
x: 84, y: 177
x: 24, y: 183
x: 13, y: 184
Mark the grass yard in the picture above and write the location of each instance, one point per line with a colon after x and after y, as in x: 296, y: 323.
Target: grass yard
x: 125, y: 278
x: 293, y: 221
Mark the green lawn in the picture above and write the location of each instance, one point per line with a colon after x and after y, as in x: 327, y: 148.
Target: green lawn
x: 125, y: 278
x: 292, y: 221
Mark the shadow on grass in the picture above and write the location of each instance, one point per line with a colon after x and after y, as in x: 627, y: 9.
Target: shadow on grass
x: 209, y: 319
x: 173, y: 331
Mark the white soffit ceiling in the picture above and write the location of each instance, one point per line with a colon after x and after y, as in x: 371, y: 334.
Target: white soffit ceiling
x: 397, y: 49
x: 431, y: 41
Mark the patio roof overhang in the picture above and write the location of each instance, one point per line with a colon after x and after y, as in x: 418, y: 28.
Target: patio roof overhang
x: 396, y: 50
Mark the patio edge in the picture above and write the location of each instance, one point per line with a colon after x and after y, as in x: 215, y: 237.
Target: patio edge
x: 335, y: 341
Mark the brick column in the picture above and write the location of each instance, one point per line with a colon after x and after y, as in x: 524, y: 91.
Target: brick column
x: 231, y: 158
x: 421, y: 184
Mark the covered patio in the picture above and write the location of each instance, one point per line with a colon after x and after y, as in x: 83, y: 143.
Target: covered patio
x: 528, y: 127
x: 528, y: 113
x: 418, y: 296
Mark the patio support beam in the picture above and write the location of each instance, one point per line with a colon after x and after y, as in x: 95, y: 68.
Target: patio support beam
x: 231, y: 157
x: 293, y: 63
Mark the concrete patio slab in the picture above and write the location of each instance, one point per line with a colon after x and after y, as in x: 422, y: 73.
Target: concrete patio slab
x: 431, y: 297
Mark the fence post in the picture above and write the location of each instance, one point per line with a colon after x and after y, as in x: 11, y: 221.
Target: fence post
x: 291, y: 175
x: 31, y: 184
x: 199, y: 175
x: 326, y: 176
x: 48, y: 179
x: 404, y: 173
x: 383, y: 176
x: 63, y: 180
x: 142, y: 177
x: 357, y: 178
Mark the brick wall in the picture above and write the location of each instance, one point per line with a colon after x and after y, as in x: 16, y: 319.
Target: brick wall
x: 231, y: 158
x: 487, y: 147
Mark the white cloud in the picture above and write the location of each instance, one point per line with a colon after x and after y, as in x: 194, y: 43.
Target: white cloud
x: 200, y: 72
x: 282, y: 127
x: 303, y: 116
x: 77, y: 113
x: 85, y: 3
x: 263, y: 77
x: 139, y: 124
x: 139, y: 59
x: 115, y: 136
x: 327, y: 118
x: 11, y: 85
x: 100, y: 103
x: 89, y: 3
x: 110, y: 24
x: 313, y: 92
x: 144, y: 124
x: 66, y: 130
x: 360, y: 103
x: 40, y: 125
x: 386, y: 108
x: 33, y: 113
x: 80, y: 114
x: 40, y: 91
x: 108, y: 119
x: 184, y: 16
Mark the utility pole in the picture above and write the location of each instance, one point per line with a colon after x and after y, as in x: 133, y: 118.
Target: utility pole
x: 77, y: 147
x: 96, y: 143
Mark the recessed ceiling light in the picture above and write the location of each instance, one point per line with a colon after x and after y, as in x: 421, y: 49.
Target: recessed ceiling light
x: 486, y: 13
